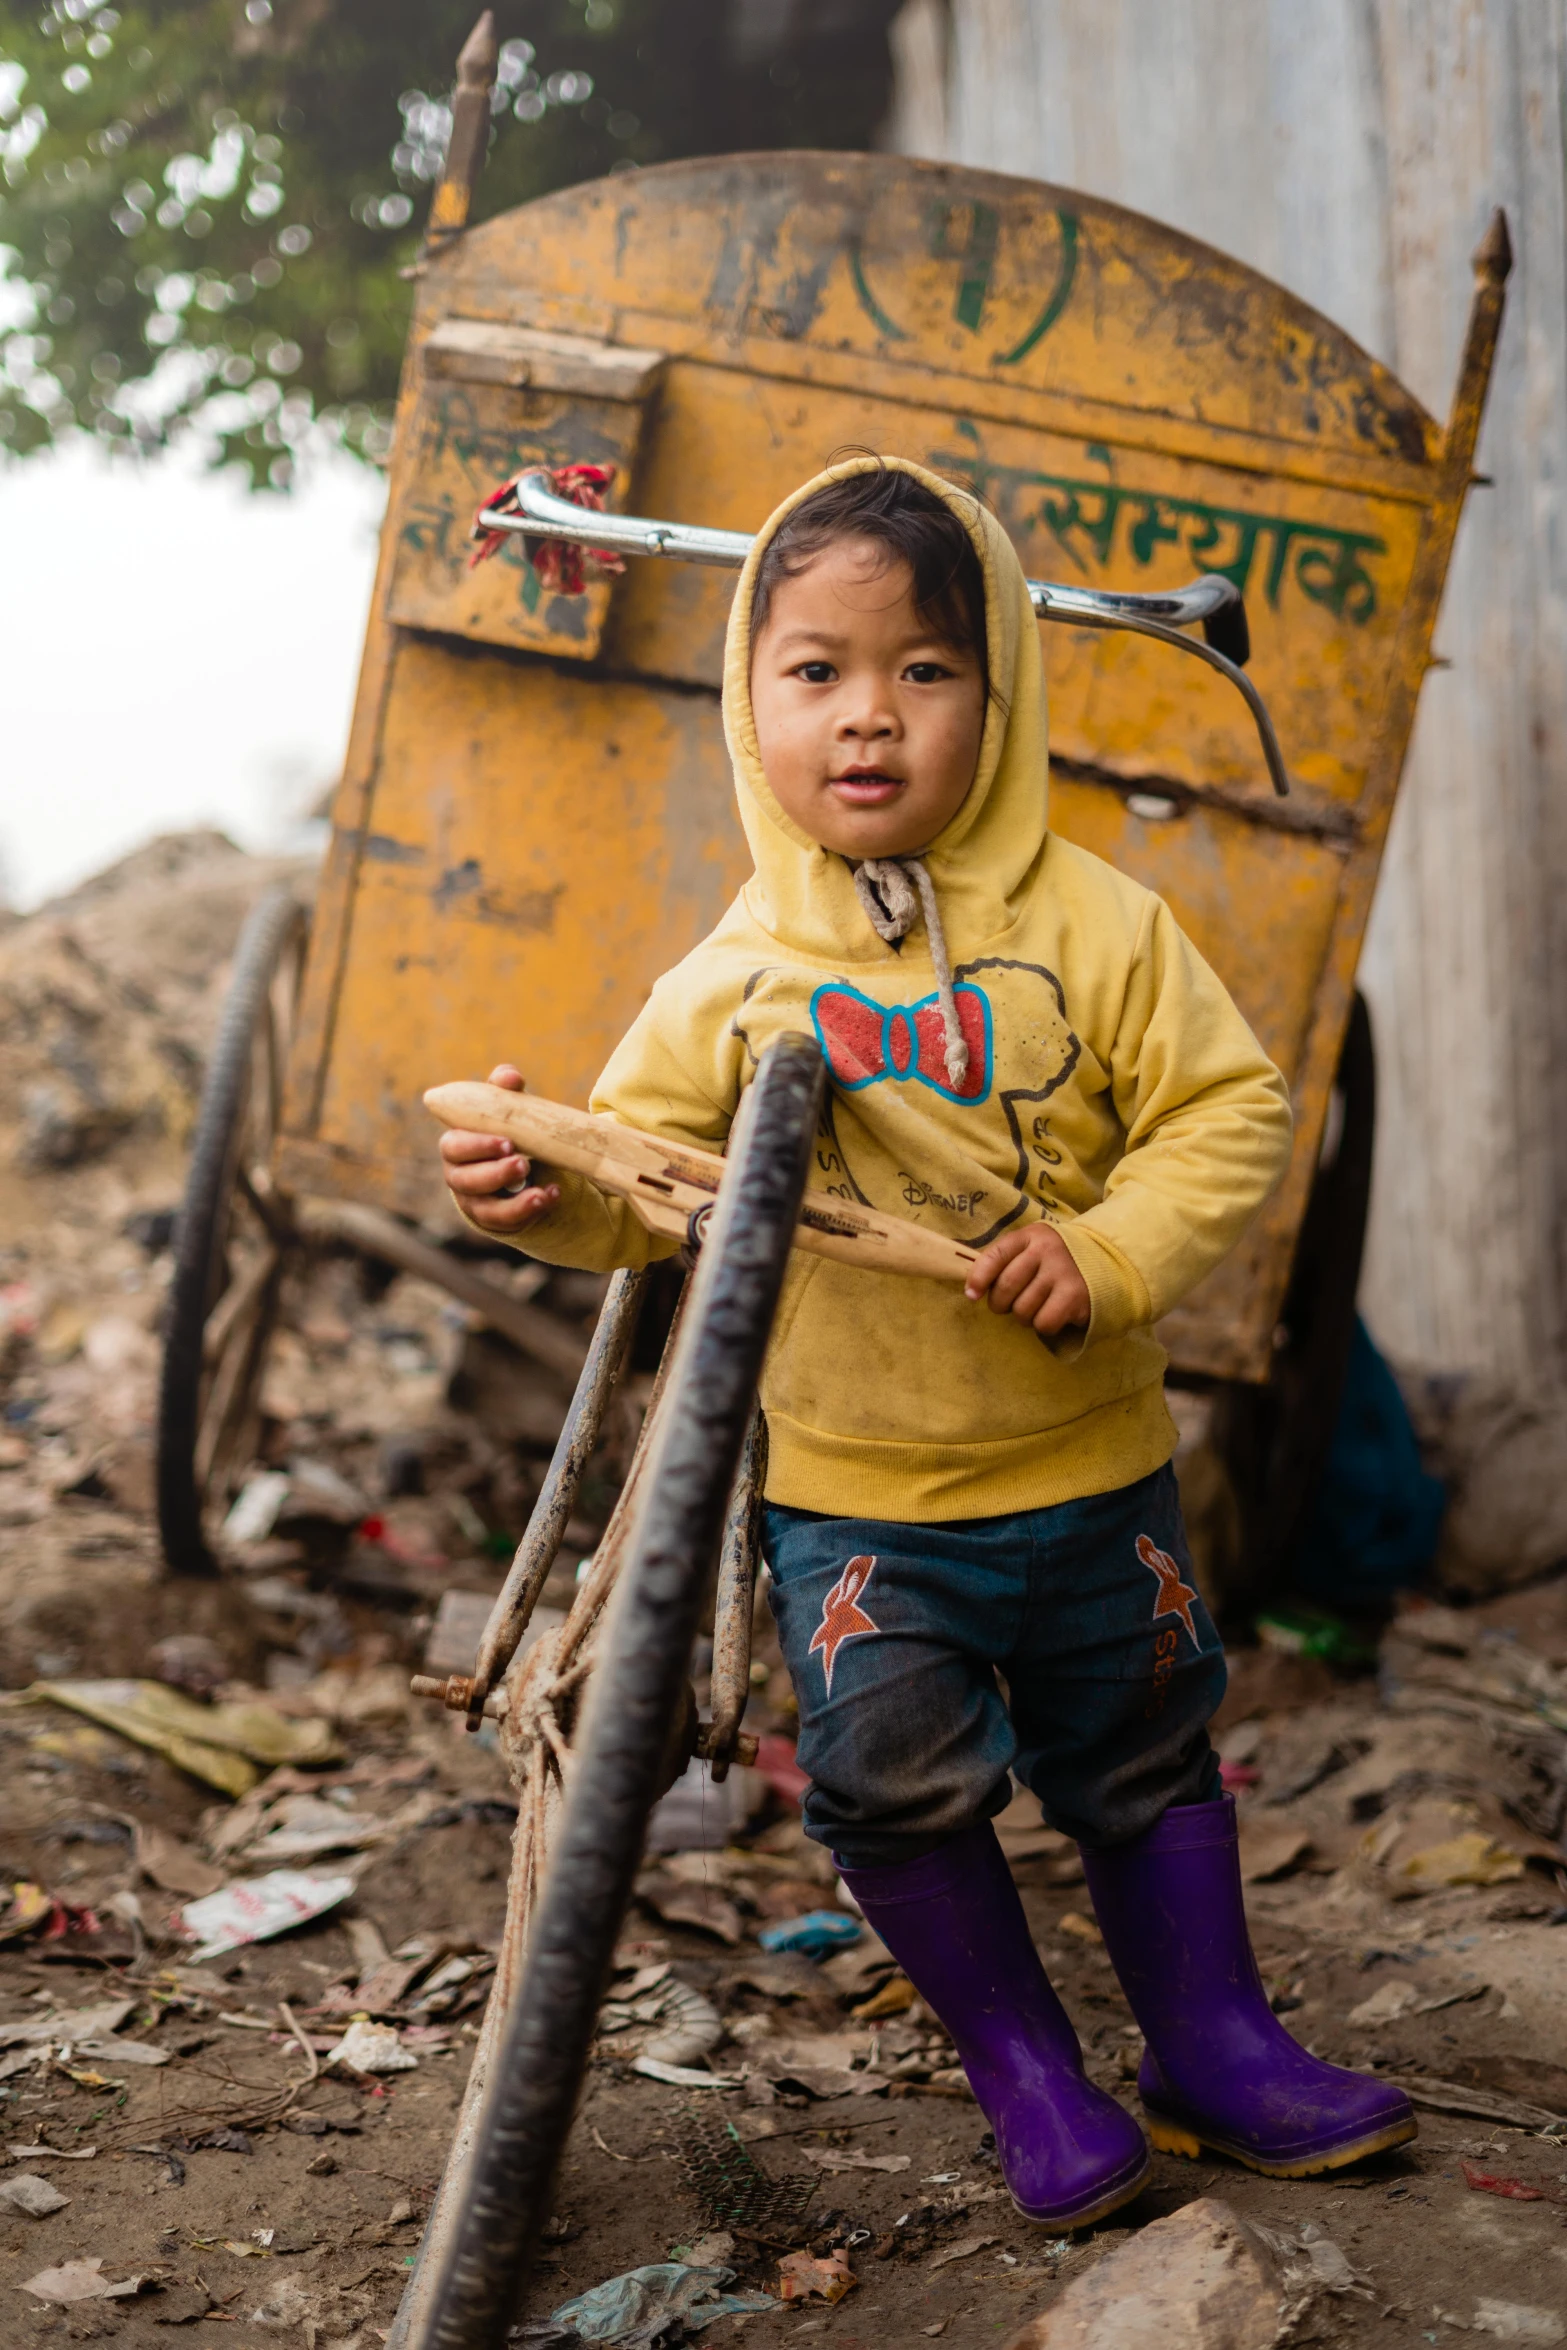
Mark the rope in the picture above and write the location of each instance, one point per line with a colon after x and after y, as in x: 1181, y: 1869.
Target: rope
x: 894, y: 892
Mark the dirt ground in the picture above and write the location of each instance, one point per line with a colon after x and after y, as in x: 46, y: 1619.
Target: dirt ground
x: 1401, y: 1836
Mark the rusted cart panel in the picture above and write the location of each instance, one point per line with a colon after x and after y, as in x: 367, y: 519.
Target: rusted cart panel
x: 536, y: 818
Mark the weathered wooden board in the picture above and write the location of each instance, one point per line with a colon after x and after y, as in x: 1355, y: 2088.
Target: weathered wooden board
x: 492, y: 399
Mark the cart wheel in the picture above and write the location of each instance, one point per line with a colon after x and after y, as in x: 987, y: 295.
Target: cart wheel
x: 635, y: 1693
x: 231, y: 1239
x: 1276, y: 1439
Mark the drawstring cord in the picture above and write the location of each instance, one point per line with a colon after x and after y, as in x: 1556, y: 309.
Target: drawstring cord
x: 894, y: 892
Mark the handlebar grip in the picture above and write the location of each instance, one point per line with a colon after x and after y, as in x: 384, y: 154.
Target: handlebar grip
x: 1228, y: 633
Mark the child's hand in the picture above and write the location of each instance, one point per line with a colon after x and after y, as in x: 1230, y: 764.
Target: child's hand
x: 1031, y: 1274
x: 488, y: 1178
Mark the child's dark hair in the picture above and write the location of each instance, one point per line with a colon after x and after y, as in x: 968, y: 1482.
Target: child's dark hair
x: 911, y: 525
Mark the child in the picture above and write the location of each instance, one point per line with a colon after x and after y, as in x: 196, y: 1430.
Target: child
x: 1026, y: 1053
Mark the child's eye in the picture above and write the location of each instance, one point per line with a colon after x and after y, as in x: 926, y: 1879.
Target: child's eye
x: 816, y: 672
x: 926, y: 672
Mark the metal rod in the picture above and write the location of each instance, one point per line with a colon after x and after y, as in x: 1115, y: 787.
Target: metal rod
x: 537, y: 1550
x: 1212, y: 602
x: 731, y: 1685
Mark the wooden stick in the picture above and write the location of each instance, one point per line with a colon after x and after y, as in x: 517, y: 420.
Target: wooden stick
x: 667, y: 1183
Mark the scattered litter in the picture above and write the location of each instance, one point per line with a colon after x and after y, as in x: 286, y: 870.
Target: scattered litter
x: 896, y: 1996
x: 705, y: 1907
x: 1484, y: 2105
x: 835, y: 2158
x: 1516, y: 2321
x: 255, y: 1513
x: 638, y: 2309
x: 1271, y: 1849
x: 316, y: 1490
x: 801, y: 2278
x: 221, y: 1744
x: 683, y: 2076
x: 692, y: 2026
x: 112, y: 2050
x: 1312, y: 1632
x: 697, y: 1815
x: 72, y: 2023
x: 172, y: 1865
x: 372, y: 2048
x: 1471, y: 1859
x: 964, y: 2251
x: 1386, y: 2004
x: 256, y: 1909
x: 29, y: 1910
x: 731, y: 2187
x: 81, y: 2280
x: 51, y: 2153
x: 817, y: 1934
x: 715, y: 2250
x: 1487, y: 2183
x: 190, y: 1661
x: 287, y: 2304
x: 28, y: 2193
x: 1311, y: 2262
x: 1072, y: 1921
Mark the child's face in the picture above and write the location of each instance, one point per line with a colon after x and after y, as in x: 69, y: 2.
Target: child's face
x: 868, y: 724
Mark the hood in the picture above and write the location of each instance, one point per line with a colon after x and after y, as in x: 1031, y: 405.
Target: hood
x: 804, y: 894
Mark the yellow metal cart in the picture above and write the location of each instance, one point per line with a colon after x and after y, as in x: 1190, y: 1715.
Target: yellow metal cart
x: 536, y: 816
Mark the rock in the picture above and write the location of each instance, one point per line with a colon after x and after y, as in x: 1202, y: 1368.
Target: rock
x: 1199, y: 2280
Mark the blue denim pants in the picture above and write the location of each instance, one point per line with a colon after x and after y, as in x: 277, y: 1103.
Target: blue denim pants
x: 1066, y: 1645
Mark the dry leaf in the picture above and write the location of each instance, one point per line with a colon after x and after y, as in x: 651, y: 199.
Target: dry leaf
x: 964, y: 2251
x: 701, y: 1906
x: 172, y: 1865
x: 1270, y: 1850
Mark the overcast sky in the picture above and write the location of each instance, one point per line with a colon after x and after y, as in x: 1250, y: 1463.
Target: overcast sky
x: 174, y: 650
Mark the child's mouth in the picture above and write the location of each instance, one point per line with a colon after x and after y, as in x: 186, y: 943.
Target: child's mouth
x: 866, y: 787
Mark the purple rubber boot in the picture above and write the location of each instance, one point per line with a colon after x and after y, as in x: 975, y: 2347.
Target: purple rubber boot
x: 1219, y: 2068
x: 953, y: 1921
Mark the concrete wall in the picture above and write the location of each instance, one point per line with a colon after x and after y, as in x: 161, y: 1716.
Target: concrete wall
x: 1354, y: 150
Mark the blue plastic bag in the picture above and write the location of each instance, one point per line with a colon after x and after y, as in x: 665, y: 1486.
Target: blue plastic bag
x: 816, y: 1935
x: 645, y: 2307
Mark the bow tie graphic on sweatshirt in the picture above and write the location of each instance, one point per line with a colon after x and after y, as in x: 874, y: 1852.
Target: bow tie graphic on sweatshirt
x: 865, y: 1041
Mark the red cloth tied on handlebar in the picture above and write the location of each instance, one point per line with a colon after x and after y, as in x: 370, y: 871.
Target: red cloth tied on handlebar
x: 562, y: 565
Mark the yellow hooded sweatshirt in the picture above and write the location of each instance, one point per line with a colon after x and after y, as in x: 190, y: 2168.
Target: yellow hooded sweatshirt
x: 1113, y: 1088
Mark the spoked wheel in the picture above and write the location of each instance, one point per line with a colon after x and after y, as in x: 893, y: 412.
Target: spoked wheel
x: 636, y: 1697
x: 231, y: 1241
